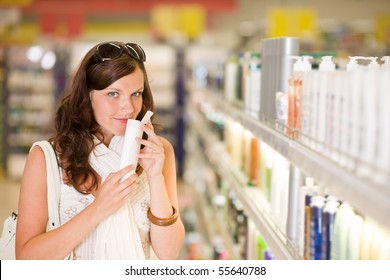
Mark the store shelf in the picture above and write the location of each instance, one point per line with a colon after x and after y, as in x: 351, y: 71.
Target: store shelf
x: 367, y: 197
x: 219, y: 159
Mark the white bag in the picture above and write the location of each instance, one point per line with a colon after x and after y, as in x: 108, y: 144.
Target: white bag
x: 7, y: 240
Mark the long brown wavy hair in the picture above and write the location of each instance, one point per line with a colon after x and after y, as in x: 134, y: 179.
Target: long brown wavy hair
x: 75, y: 123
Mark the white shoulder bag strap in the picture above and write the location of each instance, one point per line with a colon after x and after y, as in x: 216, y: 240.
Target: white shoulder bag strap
x: 53, y: 184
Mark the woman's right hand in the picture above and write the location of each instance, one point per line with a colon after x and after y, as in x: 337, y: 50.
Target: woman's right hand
x: 112, y: 193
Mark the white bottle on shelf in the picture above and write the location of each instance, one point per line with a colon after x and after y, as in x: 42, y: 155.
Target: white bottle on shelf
x: 348, y: 110
x: 368, y: 119
x: 306, y: 101
x: 326, y: 66
x: 383, y: 147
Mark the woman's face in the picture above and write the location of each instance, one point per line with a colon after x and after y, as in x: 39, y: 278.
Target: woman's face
x: 120, y: 101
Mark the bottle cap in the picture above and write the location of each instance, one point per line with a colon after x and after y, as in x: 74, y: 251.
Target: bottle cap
x: 297, y: 63
x: 327, y: 64
x: 373, y: 63
x: 353, y: 62
x: 309, y: 182
x: 305, y: 63
x: 386, y: 60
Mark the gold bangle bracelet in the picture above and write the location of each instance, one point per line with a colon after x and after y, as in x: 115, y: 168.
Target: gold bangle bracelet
x: 163, y: 221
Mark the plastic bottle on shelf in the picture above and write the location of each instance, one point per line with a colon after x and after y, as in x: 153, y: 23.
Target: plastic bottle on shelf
x: 346, y: 112
x: 281, y: 111
x: 246, y: 80
x: 255, y: 84
x: 301, y: 66
x: 368, y: 118
x: 303, y: 226
x: 232, y: 86
x: 355, y: 75
x: 369, y: 228
x: 316, y: 206
x: 342, y: 224
x: 328, y: 215
x: 383, y: 140
x: 354, y: 238
x: 280, y: 191
x: 324, y: 85
x: 306, y: 111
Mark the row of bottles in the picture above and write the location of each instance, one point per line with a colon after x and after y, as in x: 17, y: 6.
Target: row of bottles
x: 232, y: 234
x: 320, y: 216
x: 342, y: 113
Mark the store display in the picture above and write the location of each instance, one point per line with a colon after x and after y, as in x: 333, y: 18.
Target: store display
x: 283, y: 160
x: 3, y: 122
x: 30, y: 88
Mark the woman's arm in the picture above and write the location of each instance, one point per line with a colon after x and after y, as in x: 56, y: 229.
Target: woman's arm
x: 166, y: 240
x: 32, y: 240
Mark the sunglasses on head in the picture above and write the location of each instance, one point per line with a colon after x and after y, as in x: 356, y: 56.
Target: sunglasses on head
x: 112, y: 50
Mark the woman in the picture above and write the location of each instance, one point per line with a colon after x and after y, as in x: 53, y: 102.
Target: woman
x: 109, y: 87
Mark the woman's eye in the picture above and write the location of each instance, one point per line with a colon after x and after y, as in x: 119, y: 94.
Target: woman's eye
x: 137, y: 94
x: 112, y: 94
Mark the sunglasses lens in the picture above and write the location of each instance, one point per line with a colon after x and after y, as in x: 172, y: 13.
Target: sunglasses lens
x: 109, y: 51
x: 136, y: 51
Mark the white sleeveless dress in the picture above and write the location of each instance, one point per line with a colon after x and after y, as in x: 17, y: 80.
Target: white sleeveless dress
x: 73, y: 202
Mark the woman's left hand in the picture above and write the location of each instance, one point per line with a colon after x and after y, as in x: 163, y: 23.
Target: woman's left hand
x: 151, y: 156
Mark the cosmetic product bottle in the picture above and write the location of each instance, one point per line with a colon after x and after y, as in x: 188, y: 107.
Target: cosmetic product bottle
x: 295, y: 183
x: 232, y: 86
x: 301, y: 66
x: 276, y: 68
x: 342, y: 224
x: 355, y: 78
x: 302, y: 229
x: 316, y: 205
x: 328, y: 215
x: 266, y: 166
x: 131, y: 147
x: 346, y: 111
x: 294, y: 85
x: 246, y: 81
x: 306, y: 108
x: 384, y: 249
x: 280, y: 192
x: 255, y: 84
x: 281, y: 104
x: 335, y: 101
x: 383, y: 147
x: 366, y: 242
x: 309, y: 193
x: 368, y: 119
x: 261, y: 248
x: 354, y: 238
x: 325, y: 68
x: 254, y: 165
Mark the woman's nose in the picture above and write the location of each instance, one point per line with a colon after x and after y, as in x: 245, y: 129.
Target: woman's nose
x: 127, y: 104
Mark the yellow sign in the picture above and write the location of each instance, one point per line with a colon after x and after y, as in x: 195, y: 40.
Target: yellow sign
x: 300, y: 22
x: 383, y: 27
x: 188, y: 20
x: 15, y: 2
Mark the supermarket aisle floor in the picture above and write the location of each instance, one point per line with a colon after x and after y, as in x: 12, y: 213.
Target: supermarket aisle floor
x: 9, y: 196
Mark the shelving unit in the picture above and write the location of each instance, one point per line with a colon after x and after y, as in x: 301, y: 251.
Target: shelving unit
x: 30, y: 99
x: 3, y: 160
x: 219, y: 160
x: 212, y: 213
x: 368, y: 198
